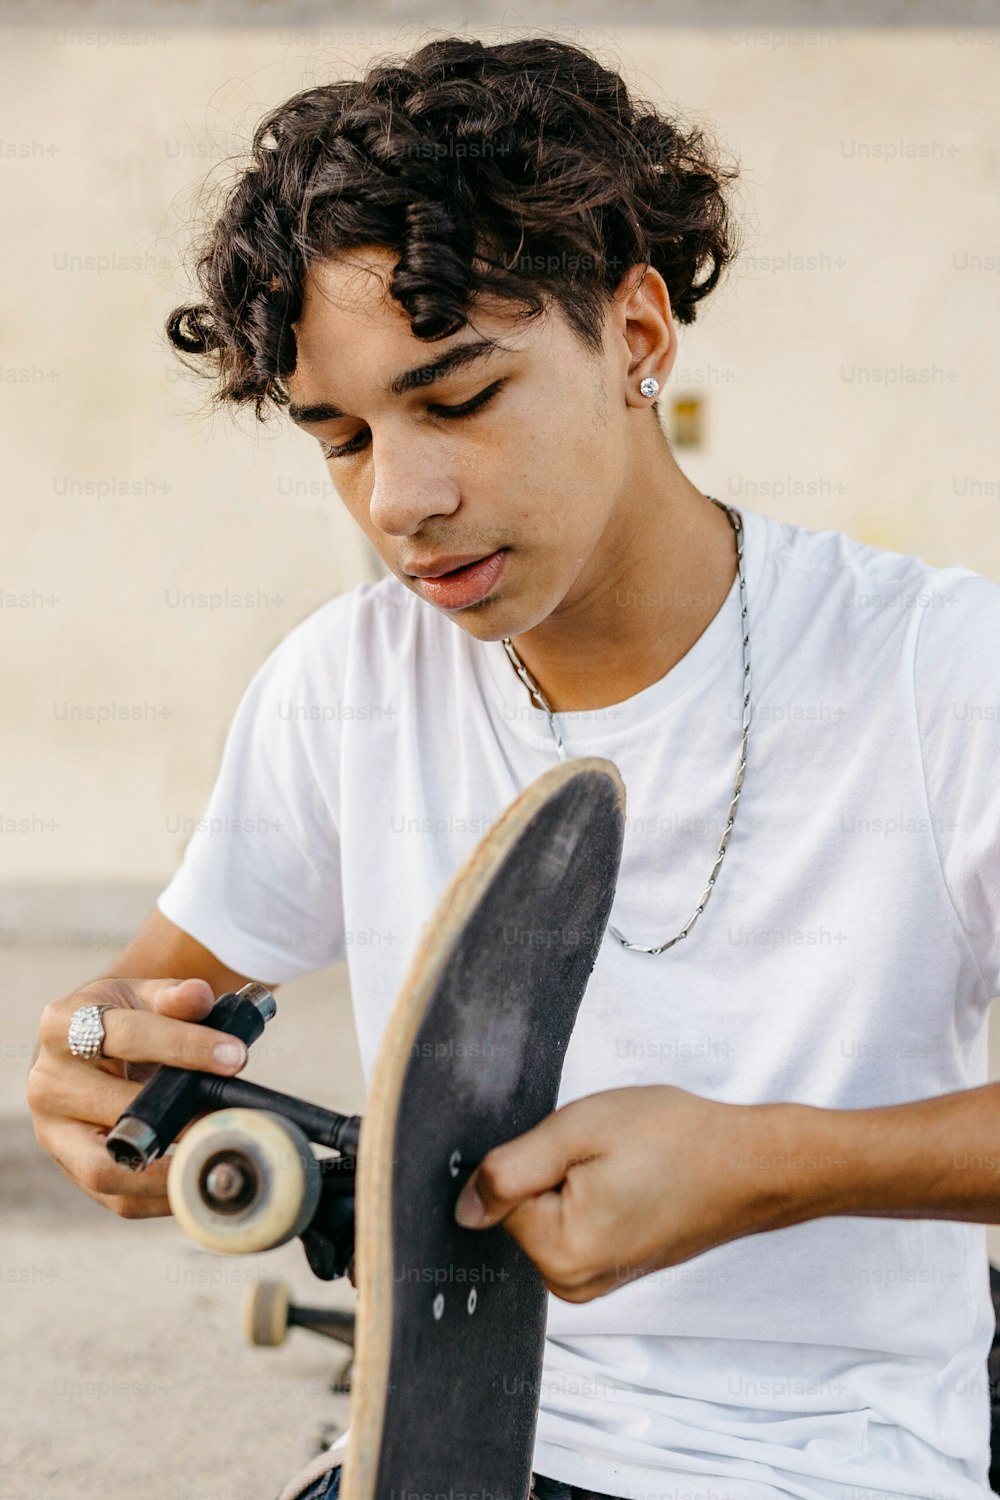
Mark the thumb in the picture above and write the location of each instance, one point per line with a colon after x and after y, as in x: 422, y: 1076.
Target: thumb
x: 530, y: 1164
x: 184, y: 999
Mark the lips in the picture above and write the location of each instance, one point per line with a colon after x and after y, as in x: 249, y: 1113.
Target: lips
x: 438, y: 567
x: 464, y: 585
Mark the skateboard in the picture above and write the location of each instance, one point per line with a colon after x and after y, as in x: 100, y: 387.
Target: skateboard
x: 450, y: 1322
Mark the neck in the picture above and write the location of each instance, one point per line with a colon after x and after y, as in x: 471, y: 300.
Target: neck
x: 657, y: 593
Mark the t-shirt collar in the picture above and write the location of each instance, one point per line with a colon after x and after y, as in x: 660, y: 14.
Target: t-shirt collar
x: 698, y: 664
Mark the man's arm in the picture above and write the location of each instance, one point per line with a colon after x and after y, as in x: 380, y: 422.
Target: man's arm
x: 932, y: 1159
x: 162, y: 950
x: 622, y: 1183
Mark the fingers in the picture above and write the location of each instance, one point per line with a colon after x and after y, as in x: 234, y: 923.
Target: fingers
x: 79, y: 1149
x: 534, y: 1163
x: 145, y: 1036
x: 187, y: 999
x: 560, y: 1232
x: 565, y: 1233
x: 78, y: 1092
x: 550, y: 1189
x: 159, y: 1034
x: 75, y: 1101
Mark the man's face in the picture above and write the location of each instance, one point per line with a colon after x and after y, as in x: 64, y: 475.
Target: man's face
x: 530, y: 481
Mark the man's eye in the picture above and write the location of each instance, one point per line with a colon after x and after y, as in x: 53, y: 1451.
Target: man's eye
x: 449, y: 412
x: 470, y: 406
x: 354, y: 446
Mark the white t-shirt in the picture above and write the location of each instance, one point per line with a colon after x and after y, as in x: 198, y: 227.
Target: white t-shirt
x: 846, y: 958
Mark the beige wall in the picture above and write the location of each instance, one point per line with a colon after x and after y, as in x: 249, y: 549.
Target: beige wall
x: 869, y: 156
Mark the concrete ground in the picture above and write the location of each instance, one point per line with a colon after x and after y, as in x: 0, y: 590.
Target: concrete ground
x: 123, y: 1369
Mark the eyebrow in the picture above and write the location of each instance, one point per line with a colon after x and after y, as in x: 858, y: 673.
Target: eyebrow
x: 399, y: 385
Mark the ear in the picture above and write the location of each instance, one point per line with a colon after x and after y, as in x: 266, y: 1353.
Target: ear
x: 642, y: 319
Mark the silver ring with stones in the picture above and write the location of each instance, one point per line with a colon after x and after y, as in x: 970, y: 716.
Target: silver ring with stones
x: 86, y: 1030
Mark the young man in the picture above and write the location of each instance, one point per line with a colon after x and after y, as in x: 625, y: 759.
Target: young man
x: 761, y: 1205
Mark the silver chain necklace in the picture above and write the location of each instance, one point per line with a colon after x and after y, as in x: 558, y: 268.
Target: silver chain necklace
x: 543, y: 703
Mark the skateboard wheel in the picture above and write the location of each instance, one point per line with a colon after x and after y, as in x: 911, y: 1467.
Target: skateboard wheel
x: 243, y: 1180
x: 265, y: 1314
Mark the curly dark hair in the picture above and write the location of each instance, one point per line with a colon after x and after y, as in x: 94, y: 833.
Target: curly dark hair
x: 523, y: 169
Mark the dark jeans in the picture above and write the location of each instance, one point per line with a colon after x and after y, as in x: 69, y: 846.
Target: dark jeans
x: 328, y: 1488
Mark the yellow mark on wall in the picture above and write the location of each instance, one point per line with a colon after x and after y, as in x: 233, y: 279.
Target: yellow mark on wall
x: 686, y: 426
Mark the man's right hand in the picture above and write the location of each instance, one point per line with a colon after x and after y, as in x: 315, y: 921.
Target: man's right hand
x: 75, y: 1101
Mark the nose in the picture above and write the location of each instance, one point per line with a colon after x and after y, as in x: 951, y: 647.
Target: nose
x: 409, y: 487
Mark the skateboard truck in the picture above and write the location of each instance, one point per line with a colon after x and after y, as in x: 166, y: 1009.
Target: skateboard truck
x: 244, y: 1177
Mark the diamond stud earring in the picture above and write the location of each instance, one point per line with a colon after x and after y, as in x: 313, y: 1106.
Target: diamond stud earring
x: 649, y: 386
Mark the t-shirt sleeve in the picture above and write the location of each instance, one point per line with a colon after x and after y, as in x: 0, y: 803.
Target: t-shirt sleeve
x: 957, y: 689
x: 260, y: 881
